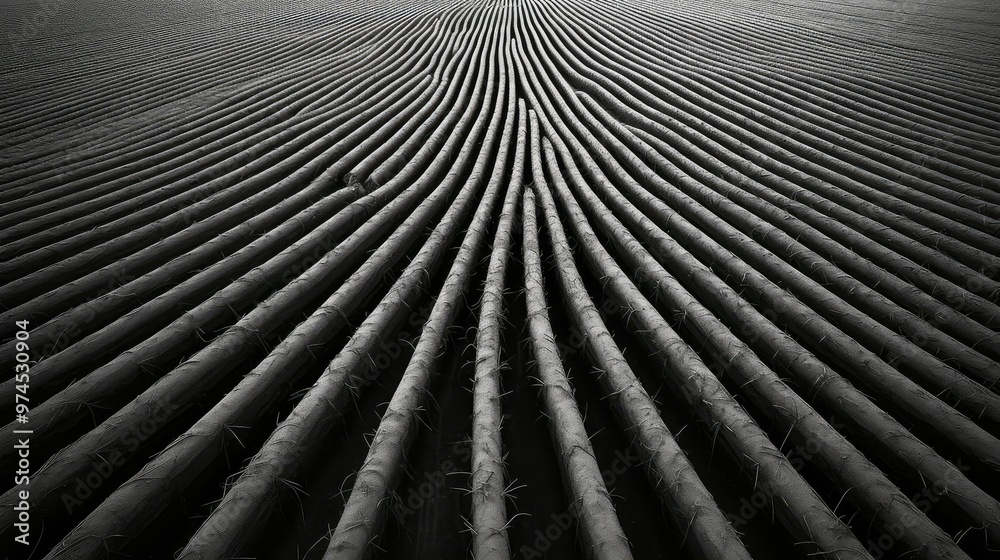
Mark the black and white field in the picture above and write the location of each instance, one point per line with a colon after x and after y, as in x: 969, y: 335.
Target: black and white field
x: 500, y: 280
